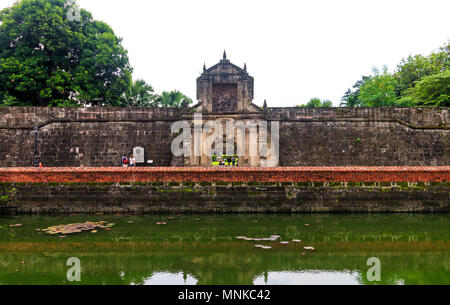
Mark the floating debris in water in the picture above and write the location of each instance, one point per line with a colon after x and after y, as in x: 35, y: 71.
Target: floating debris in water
x: 263, y: 247
x: 161, y: 223
x: 284, y: 242
x: 16, y: 225
x: 77, y: 227
x: 296, y: 240
x: 130, y: 221
x: 309, y: 248
x: 271, y: 238
x: 307, y: 224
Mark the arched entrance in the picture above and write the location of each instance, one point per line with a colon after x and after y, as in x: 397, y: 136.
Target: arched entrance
x: 225, y: 151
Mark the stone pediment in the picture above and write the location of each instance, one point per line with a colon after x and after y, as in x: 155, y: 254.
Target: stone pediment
x: 225, y: 67
x: 225, y: 88
x: 225, y: 72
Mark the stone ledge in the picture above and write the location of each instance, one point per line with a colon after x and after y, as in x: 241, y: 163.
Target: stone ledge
x: 227, y: 174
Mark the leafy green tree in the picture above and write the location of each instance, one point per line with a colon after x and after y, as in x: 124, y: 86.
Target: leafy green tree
x: 8, y: 100
x: 139, y: 94
x: 48, y: 60
x: 379, y: 91
x: 173, y: 99
x: 351, y: 97
x: 433, y: 90
x: 414, y: 68
x: 316, y: 102
x: 376, y: 90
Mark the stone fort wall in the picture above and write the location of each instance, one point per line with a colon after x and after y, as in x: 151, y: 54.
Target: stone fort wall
x: 308, y: 136
x: 225, y: 190
x: 84, y: 136
x: 363, y: 136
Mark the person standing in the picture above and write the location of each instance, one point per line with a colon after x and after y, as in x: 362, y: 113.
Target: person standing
x: 132, y: 161
x: 124, y: 161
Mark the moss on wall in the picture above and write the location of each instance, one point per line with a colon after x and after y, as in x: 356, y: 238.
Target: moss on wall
x: 298, y: 197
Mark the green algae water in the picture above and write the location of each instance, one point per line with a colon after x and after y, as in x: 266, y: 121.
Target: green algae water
x: 203, y: 250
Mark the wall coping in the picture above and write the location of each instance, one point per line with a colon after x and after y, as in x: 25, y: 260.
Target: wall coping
x: 229, y: 169
x: 228, y: 174
x: 29, y: 117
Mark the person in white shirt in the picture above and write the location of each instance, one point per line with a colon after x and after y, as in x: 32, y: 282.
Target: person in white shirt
x: 132, y: 161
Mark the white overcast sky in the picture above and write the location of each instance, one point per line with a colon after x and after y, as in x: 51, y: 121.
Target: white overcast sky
x: 295, y: 49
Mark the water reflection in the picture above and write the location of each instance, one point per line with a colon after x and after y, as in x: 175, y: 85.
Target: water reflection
x: 306, y: 277
x: 166, y: 278
x: 309, y: 277
x: 204, y: 250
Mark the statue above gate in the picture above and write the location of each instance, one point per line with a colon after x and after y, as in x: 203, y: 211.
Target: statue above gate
x: 225, y: 88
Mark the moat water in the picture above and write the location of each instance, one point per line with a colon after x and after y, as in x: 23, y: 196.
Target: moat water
x: 203, y: 249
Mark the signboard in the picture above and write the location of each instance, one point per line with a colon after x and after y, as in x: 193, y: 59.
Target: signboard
x: 138, y: 153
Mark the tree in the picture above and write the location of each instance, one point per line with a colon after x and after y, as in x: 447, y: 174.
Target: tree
x: 173, y: 99
x: 414, y: 68
x: 379, y: 91
x: 432, y: 90
x: 351, y: 97
x: 139, y: 94
x: 48, y: 60
x: 8, y: 100
x: 316, y: 102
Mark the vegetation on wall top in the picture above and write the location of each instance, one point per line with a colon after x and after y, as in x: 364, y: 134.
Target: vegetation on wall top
x: 48, y: 59
x: 418, y: 81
